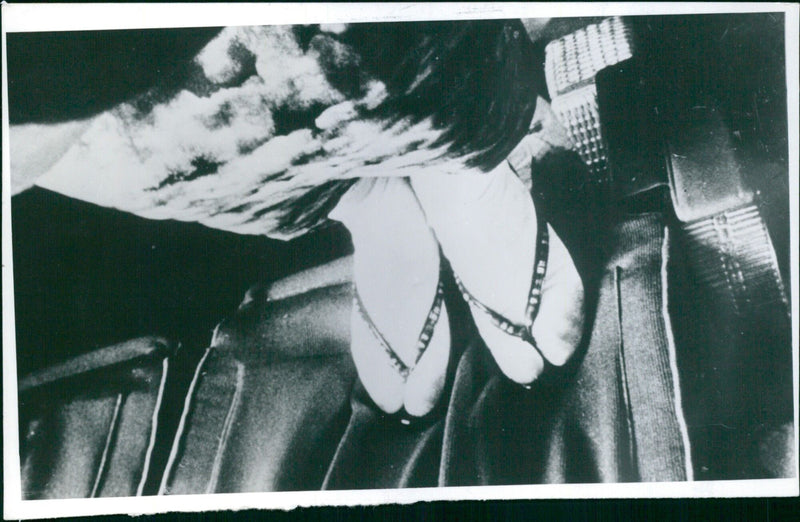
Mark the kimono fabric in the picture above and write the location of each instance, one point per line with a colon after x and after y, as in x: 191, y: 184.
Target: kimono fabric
x: 265, y: 129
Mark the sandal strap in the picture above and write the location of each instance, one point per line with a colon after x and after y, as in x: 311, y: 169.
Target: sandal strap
x: 523, y: 331
x: 540, y: 255
x: 425, y: 335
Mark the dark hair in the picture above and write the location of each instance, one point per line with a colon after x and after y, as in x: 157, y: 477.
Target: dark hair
x: 475, y: 79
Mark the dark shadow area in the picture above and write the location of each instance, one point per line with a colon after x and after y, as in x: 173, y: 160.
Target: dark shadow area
x: 60, y: 76
x: 87, y: 276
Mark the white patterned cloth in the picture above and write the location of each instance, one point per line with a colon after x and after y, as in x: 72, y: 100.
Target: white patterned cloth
x: 248, y: 137
x: 213, y: 152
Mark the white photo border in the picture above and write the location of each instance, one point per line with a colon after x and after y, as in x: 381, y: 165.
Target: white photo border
x: 63, y: 17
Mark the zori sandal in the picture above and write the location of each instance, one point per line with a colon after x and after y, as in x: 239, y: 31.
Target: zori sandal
x: 489, y: 229
x: 399, y: 332
x: 552, y: 327
x: 403, y: 369
x: 395, y: 384
x: 523, y: 331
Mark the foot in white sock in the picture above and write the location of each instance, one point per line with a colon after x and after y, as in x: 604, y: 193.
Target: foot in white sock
x: 400, y: 330
x: 487, y: 226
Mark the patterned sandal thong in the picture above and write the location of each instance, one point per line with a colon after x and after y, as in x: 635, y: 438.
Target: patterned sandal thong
x: 424, y: 339
x: 414, y: 389
x: 522, y: 331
